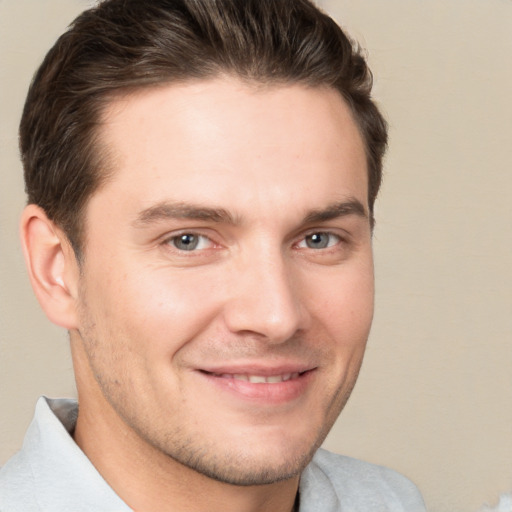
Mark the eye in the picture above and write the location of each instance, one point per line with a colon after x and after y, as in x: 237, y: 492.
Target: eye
x: 320, y: 240
x: 190, y: 242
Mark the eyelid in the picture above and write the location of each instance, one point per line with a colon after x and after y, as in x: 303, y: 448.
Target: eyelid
x: 342, y: 234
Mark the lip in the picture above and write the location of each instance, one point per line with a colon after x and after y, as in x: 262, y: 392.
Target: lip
x: 229, y: 379
x: 266, y: 370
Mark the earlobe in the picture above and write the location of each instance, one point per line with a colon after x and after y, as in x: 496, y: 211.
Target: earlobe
x: 52, y: 266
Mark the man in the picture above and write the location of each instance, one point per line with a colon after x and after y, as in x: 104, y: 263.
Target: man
x: 201, y: 178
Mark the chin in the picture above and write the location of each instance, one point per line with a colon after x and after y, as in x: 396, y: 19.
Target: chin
x: 244, y: 471
x: 262, y: 462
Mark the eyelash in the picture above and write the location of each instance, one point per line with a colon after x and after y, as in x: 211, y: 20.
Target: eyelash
x: 182, y: 236
x: 312, y: 235
x: 334, y: 240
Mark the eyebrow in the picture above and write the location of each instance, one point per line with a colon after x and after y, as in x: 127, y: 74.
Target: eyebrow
x: 336, y: 210
x: 170, y: 210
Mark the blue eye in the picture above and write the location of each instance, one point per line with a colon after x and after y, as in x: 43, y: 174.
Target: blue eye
x: 320, y: 240
x: 190, y: 242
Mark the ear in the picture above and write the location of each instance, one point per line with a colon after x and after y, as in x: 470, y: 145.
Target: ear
x: 52, y: 266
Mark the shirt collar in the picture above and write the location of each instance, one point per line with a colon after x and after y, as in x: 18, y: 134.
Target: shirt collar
x: 64, y: 478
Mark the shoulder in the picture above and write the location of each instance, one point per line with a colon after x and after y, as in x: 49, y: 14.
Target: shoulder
x: 20, y: 477
x: 17, y: 485
x: 339, y: 482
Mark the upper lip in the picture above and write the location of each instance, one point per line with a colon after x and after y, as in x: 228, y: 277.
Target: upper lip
x: 258, y: 369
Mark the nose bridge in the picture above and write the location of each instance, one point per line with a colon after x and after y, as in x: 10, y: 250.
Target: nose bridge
x: 265, y: 298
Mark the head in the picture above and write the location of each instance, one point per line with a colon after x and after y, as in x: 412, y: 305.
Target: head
x: 204, y: 174
x: 123, y: 46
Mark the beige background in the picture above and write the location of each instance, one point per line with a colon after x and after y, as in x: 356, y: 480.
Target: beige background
x: 434, y: 399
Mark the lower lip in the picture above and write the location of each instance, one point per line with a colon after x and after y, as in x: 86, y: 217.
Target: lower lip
x: 268, y: 393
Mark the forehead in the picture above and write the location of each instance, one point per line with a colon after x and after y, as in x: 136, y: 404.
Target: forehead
x: 224, y: 141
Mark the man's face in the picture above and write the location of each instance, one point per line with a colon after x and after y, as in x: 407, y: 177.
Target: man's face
x: 226, y: 293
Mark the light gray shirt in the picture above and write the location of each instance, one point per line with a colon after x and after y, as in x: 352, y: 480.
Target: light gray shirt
x: 51, y: 474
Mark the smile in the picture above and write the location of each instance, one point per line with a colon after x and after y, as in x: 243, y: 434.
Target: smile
x: 259, y: 379
x: 267, y: 387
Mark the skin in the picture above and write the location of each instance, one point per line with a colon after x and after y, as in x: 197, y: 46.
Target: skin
x: 271, y: 184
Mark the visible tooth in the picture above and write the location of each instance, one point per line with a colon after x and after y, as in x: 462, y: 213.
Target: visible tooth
x: 256, y: 379
x: 260, y: 379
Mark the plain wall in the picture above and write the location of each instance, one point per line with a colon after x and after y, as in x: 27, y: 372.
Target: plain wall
x: 434, y: 398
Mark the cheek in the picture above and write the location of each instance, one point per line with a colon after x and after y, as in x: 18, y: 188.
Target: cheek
x: 343, y: 301
x: 154, y: 308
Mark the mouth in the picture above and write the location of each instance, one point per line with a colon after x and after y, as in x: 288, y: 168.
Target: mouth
x: 265, y: 386
x: 258, y: 379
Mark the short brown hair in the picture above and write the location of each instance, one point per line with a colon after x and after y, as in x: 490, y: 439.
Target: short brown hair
x: 123, y: 45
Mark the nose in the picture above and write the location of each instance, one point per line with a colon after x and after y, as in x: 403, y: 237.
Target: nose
x: 265, y: 299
